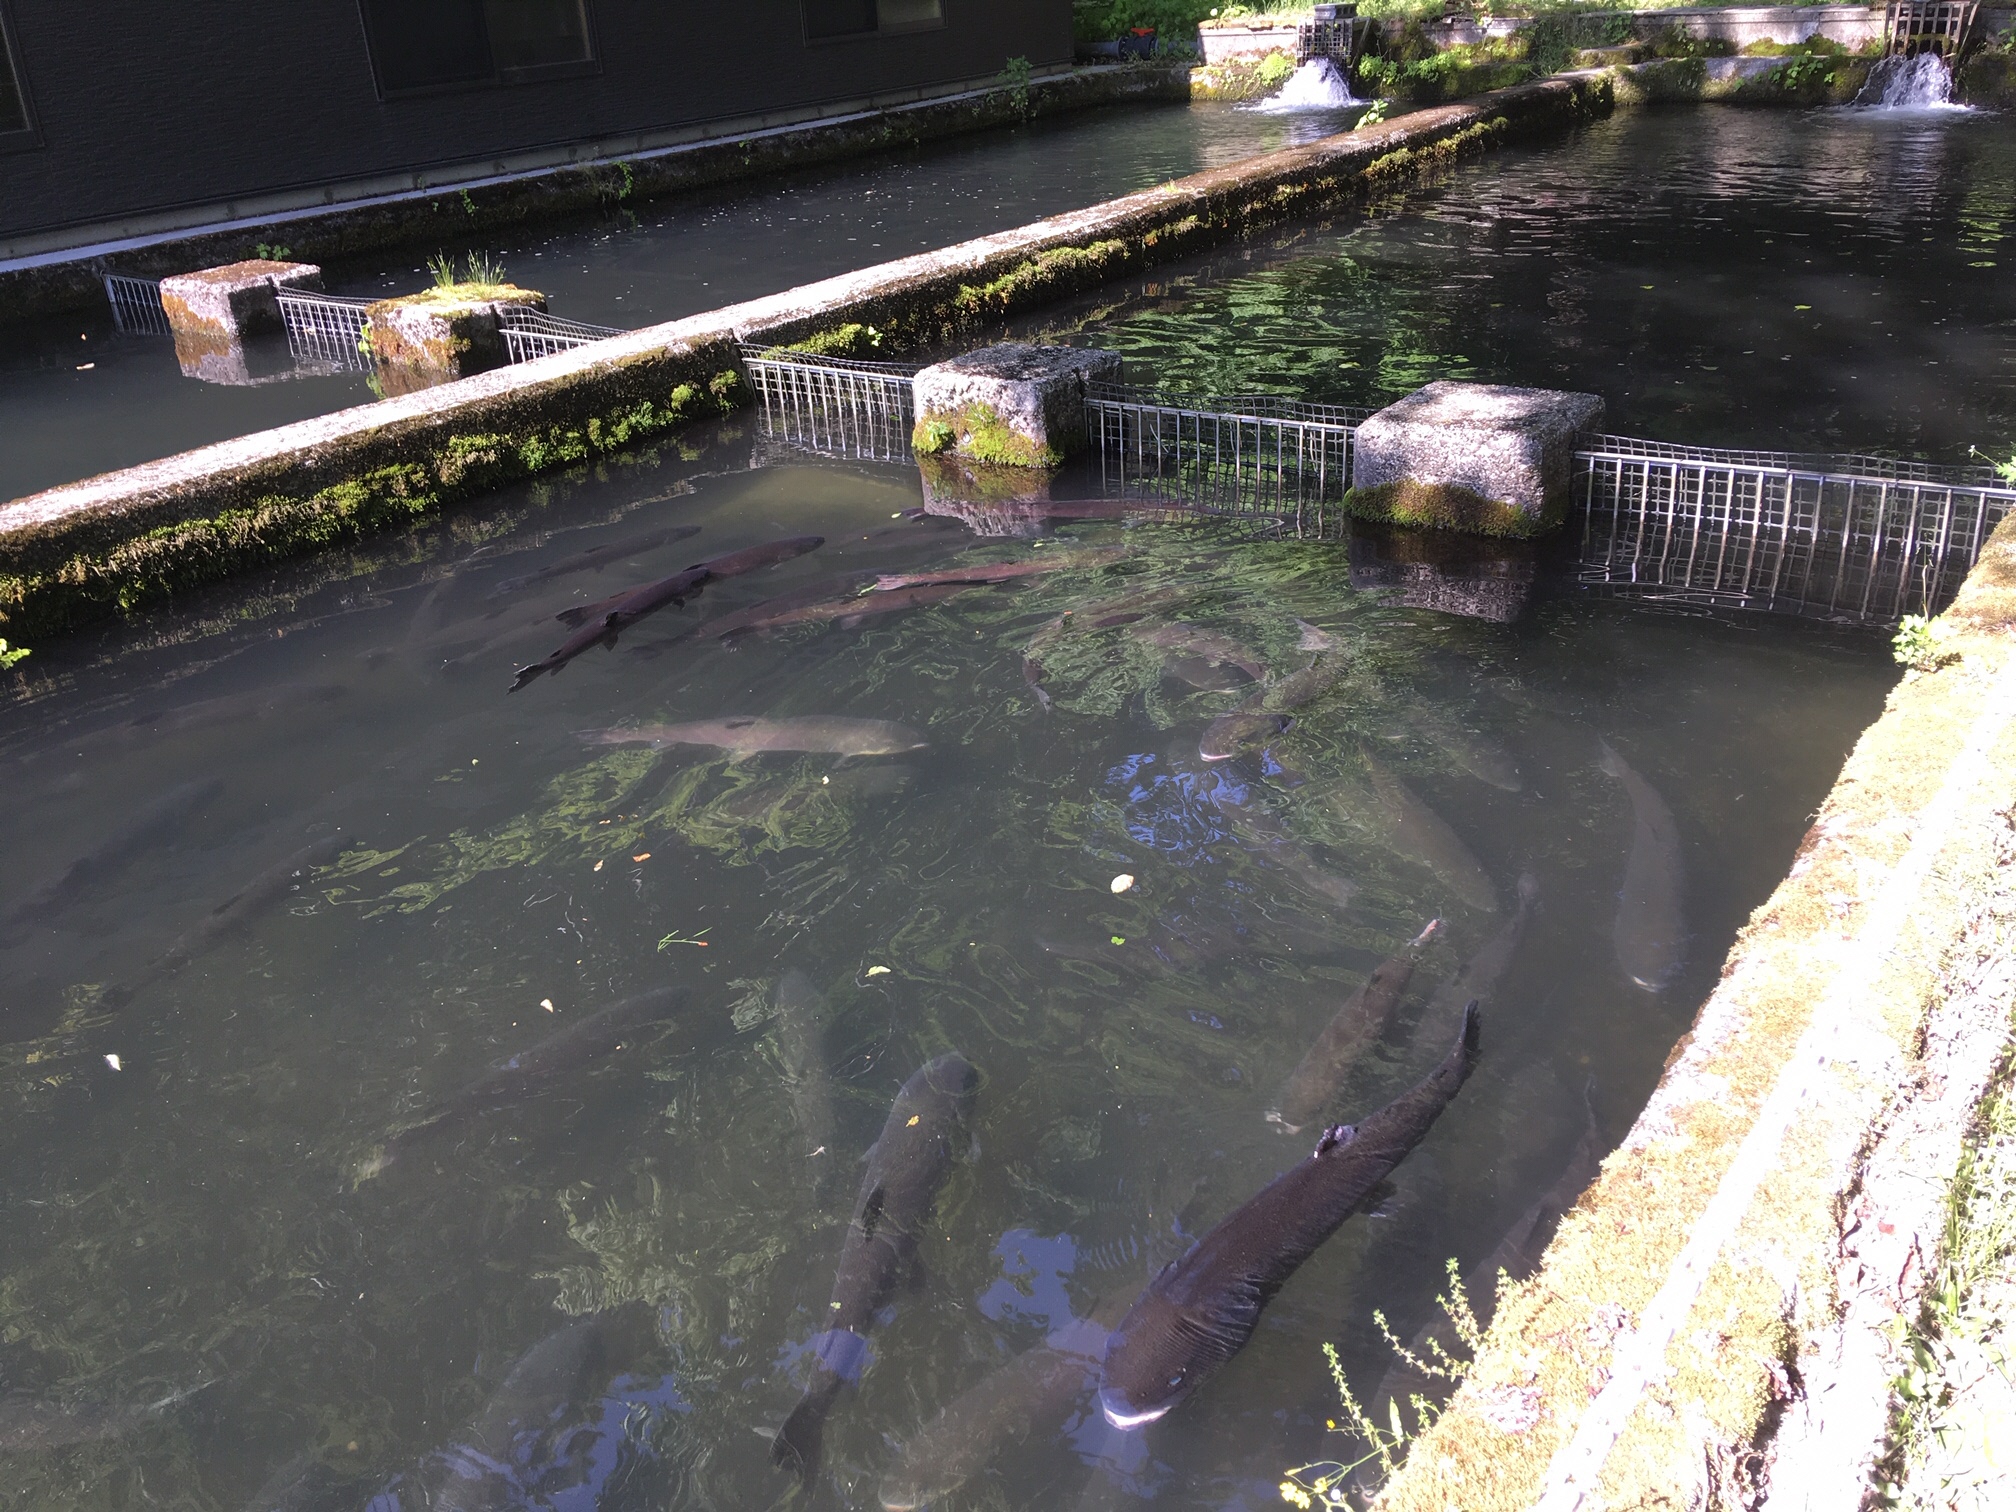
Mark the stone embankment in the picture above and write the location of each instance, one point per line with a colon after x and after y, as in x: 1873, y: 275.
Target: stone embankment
x: 1721, y: 1320
x: 450, y: 205
x: 118, y: 541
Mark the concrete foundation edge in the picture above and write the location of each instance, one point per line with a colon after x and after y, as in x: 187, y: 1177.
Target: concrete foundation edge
x: 117, y: 542
x: 1702, y: 1335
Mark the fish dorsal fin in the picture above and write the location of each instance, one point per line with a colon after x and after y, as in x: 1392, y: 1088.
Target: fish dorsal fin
x: 738, y: 721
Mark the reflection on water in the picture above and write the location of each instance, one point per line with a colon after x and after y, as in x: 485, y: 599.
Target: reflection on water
x: 1814, y: 281
x: 603, y: 1281
x: 61, y: 420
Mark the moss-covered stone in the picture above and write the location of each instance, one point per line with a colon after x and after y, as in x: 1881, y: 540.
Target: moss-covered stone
x: 977, y: 432
x: 1444, y: 506
x: 854, y: 341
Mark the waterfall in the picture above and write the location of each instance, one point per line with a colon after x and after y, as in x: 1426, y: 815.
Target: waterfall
x: 1317, y: 85
x: 1920, y: 83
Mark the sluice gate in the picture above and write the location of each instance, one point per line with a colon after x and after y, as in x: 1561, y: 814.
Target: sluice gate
x: 1851, y: 538
x: 1939, y: 27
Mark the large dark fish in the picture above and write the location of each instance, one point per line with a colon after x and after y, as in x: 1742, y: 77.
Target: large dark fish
x: 555, y: 1374
x: 597, y: 557
x: 1001, y: 572
x: 848, y: 610
x: 1034, y: 1393
x: 233, y: 914
x: 1260, y: 828
x: 534, y: 1069
x: 1264, y: 715
x: 1650, y: 930
x: 1419, y: 833
x: 1477, y: 979
x: 1200, y: 1311
x: 1179, y: 640
x: 745, y: 735
x: 1366, y: 1015
x: 158, y: 820
x: 816, y: 592
x: 1108, y: 614
x: 601, y: 622
x: 921, y: 1138
x: 28, y: 1424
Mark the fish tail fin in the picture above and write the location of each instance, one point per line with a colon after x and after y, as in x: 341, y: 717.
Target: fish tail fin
x: 1529, y: 889
x: 799, y: 1442
x: 525, y: 675
x: 1281, y: 1124
x: 1312, y: 639
x: 1606, y: 758
x: 1467, y: 1036
x: 1428, y: 932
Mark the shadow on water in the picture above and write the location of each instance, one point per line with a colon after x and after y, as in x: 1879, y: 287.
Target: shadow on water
x: 193, y: 1215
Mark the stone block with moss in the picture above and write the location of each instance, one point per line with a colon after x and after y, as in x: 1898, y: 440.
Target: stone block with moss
x: 1482, y: 458
x: 1010, y: 405
x: 447, y: 332
x: 214, y: 312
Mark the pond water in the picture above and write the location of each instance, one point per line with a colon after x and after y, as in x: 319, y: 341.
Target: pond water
x: 1830, y: 280
x: 230, y: 1279
x: 60, y: 420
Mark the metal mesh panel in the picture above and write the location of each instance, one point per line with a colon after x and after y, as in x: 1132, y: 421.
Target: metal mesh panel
x: 1245, y: 454
x: 1726, y: 534
x: 136, y: 305
x: 533, y: 333
x: 325, y: 331
x: 834, y: 407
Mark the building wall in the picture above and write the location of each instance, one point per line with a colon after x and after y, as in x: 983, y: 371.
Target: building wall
x: 147, y: 105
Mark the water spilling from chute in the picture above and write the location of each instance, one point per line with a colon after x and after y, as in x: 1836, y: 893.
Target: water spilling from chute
x: 1317, y: 85
x: 1923, y: 82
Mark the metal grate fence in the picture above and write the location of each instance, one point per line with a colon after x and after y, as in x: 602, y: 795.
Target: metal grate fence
x: 1911, y: 27
x: 533, y: 333
x: 325, y: 331
x: 1243, y: 454
x: 834, y: 406
x: 136, y: 305
x: 1870, y: 543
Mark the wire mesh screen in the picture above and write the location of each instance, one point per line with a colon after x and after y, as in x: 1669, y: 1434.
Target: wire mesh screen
x: 1846, y: 546
x: 1244, y: 454
x: 534, y: 333
x: 325, y: 331
x: 136, y: 305
x: 834, y: 407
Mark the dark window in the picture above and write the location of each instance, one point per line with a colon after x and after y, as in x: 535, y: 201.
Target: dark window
x: 434, y: 44
x: 863, y: 18
x: 13, y: 108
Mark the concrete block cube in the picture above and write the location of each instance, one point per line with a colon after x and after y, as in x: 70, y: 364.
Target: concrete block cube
x: 1010, y: 405
x: 1478, y: 457
x: 419, y: 340
x: 234, y: 301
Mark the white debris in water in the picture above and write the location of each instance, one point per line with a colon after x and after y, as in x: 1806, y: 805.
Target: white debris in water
x: 112, y: 1061
x: 547, y: 1004
x: 1316, y: 85
x: 1122, y: 882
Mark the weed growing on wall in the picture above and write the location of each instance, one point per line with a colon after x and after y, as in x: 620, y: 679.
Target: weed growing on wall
x: 1325, y: 1483
x: 273, y: 252
x: 1917, y: 644
x: 1015, y: 79
x: 11, y: 656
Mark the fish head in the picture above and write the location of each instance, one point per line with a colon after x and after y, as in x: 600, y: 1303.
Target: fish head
x: 1230, y: 734
x: 1154, y: 1359
x: 954, y: 1076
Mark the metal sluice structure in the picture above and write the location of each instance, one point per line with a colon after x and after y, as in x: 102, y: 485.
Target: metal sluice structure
x: 325, y: 332
x: 1852, y: 538
x: 1941, y: 27
x: 136, y: 305
x: 533, y: 333
x: 832, y: 406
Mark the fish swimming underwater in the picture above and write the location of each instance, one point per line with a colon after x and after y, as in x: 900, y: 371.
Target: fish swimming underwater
x: 1420, y: 834
x: 597, y: 557
x: 920, y: 1140
x: 1366, y: 1015
x: 1266, y: 713
x: 1650, y: 931
x: 745, y: 735
x: 1200, y: 1311
x: 151, y: 825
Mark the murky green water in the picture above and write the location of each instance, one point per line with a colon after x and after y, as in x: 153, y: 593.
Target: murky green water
x: 193, y: 1222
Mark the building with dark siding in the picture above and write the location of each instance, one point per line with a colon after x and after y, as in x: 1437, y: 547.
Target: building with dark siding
x: 134, y: 117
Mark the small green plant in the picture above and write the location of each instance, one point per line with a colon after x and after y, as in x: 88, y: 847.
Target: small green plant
x: 2006, y: 471
x: 477, y: 268
x: 12, y: 656
x: 932, y: 437
x: 468, y: 204
x: 1918, y: 644
x: 1015, y: 79
x: 1324, y: 1482
x: 1276, y: 69
x: 1376, y: 112
x: 274, y: 252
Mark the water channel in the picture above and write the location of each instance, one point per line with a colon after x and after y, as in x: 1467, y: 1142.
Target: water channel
x: 263, y: 1246
x: 61, y: 420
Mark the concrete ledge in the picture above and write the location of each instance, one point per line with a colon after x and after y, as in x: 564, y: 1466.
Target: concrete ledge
x: 1716, y: 1323
x: 114, y: 542
x: 61, y: 269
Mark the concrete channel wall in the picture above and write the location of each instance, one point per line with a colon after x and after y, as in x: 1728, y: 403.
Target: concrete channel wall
x: 1720, y: 1321
x: 124, y: 539
x: 447, y: 204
